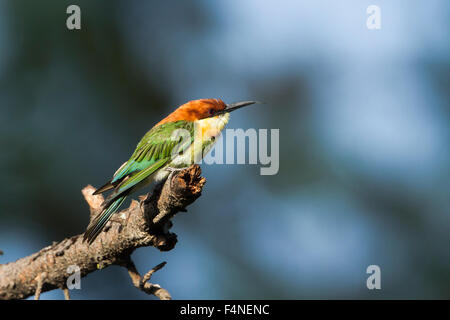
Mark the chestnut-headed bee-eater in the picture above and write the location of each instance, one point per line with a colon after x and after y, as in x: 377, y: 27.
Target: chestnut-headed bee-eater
x: 158, y: 153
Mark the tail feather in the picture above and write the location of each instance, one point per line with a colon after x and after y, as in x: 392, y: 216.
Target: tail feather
x: 96, y: 226
x: 107, y: 186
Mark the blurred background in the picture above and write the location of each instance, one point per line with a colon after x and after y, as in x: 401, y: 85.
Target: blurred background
x: 364, y: 140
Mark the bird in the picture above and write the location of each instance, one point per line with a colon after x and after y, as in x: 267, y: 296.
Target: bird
x: 177, y: 141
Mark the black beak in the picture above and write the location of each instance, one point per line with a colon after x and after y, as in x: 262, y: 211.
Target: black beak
x: 234, y: 106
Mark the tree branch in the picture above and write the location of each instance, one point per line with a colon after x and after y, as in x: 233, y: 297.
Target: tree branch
x: 143, y: 223
x: 66, y: 294
x: 40, y: 281
x: 142, y: 282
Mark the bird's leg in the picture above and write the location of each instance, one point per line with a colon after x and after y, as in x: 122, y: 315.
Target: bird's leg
x: 172, y: 169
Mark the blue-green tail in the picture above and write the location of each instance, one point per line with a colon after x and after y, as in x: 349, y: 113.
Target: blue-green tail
x: 96, y: 225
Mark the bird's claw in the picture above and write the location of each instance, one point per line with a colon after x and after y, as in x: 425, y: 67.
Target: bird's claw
x: 172, y: 169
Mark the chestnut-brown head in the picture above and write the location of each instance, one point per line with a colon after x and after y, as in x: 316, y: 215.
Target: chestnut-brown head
x: 203, y: 108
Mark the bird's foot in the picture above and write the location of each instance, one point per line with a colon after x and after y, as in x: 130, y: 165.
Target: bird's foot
x: 172, y: 169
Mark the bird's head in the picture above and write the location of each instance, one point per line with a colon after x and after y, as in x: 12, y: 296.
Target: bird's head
x: 202, y: 109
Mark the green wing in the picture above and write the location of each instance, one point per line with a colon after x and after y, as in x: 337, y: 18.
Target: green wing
x: 152, y: 152
x: 155, y: 145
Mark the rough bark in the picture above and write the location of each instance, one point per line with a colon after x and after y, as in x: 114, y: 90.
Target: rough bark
x: 143, y: 223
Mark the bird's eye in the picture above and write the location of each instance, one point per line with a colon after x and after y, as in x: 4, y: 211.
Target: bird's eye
x: 211, y: 111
